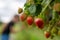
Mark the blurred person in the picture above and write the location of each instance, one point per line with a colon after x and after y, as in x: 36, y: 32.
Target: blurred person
x: 8, y: 28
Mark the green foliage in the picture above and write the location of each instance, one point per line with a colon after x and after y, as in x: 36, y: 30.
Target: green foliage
x: 57, y: 1
x: 38, y: 9
x: 44, y: 9
x: 38, y: 1
x: 32, y: 9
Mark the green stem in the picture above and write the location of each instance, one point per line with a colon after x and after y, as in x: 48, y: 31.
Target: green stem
x: 43, y: 2
x: 45, y: 8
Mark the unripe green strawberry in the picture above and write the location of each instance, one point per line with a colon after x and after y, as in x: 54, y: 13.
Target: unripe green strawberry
x: 54, y: 30
x: 20, y: 10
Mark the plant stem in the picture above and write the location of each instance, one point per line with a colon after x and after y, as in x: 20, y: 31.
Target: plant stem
x: 45, y: 8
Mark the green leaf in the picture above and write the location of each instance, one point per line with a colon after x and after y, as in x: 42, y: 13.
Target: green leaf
x: 32, y: 9
x: 38, y: 9
x: 27, y: 5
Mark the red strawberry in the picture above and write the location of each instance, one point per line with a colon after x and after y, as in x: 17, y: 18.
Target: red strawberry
x: 30, y: 20
x: 47, y: 34
x: 39, y: 22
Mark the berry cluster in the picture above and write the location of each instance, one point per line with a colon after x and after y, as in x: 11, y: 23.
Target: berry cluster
x: 45, y: 14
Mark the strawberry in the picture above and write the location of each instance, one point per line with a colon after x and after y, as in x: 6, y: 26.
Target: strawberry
x: 30, y: 20
x: 39, y: 22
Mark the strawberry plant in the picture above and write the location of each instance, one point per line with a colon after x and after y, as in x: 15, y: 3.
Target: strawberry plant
x: 46, y: 15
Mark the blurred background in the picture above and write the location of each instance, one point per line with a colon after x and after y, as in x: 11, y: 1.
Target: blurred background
x: 8, y: 8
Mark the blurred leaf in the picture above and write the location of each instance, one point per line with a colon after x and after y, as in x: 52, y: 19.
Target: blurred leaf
x: 38, y: 1
x: 57, y: 1
x: 32, y: 9
x: 38, y: 9
x: 55, y: 15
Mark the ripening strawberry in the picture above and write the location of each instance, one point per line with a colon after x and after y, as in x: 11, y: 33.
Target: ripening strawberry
x: 23, y: 17
x: 47, y: 34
